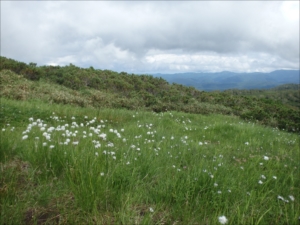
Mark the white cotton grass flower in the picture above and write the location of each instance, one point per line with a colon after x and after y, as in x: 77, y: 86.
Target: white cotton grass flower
x: 223, y: 220
x: 110, y: 144
x: 24, y: 137
x: 266, y: 158
x: 274, y: 177
x: 51, y: 146
x: 98, y: 145
x: 292, y: 197
x: 260, y: 182
x: 102, y: 174
x: 151, y: 209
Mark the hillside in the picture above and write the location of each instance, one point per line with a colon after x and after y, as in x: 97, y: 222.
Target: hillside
x: 229, y: 80
x: 104, y: 88
x: 287, y: 94
x: 85, y: 146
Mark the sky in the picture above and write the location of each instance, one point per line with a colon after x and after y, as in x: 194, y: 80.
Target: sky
x: 148, y: 37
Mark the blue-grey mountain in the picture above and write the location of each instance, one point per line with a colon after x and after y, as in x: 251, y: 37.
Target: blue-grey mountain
x: 230, y: 80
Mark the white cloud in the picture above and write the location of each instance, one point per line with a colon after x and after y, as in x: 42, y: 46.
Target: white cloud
x: 153, y: 36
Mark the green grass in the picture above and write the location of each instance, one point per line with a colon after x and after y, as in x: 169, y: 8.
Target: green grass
x: 169, y: 168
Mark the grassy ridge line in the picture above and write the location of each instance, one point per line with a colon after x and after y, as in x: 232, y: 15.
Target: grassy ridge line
x: 172, y: 168
x: 53, y: 93
x: 144, y: 92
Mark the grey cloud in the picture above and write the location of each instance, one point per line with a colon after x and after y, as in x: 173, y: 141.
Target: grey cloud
x: 125, y: 35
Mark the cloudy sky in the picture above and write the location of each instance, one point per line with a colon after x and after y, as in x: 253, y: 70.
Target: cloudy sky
x: 153, y: 36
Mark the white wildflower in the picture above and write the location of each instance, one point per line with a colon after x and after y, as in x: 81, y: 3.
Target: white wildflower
x: 25, y: 137
x: 292, y: 197
x: 223, y: 219
x: 110, y: 144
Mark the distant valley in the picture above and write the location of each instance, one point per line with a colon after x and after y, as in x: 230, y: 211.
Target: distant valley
x: 230, y: 80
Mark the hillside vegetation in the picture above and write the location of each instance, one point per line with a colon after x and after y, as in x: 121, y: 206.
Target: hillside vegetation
x: 86, y: 146
x: 287, y: 94
x: 104, y: 88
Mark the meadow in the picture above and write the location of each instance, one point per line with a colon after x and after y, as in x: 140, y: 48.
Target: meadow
x: 62, y: 164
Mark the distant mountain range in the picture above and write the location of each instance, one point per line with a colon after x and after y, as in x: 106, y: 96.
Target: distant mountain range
x: 230, y: 80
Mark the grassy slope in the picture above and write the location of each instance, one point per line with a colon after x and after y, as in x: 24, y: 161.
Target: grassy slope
x: 176, y: 98
x: 160, y: 167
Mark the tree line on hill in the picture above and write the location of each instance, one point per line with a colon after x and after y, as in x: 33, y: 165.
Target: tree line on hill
x: 146, y: 92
